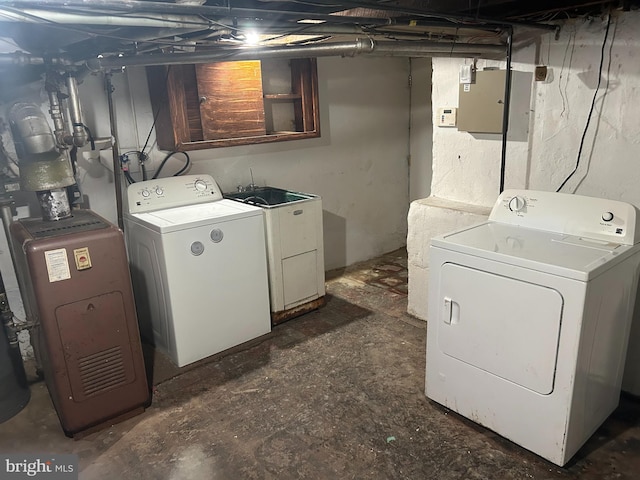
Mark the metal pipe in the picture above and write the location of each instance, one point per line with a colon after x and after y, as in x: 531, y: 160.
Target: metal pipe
x: 368, y: 46
x: 430, y: 49
x: 6, y: 317
x: 360, y: 46
x: 227, y: 54
x: 134, y: 6
x: 461, y: 21
x: 137, y: 6
x: 79, y: 130
x: 150, y: 20
x: 117, y: 171
x: 188, y: 22
x: 55, y: 111
x: 19, y: 59
x: 22, y: 274
x: 167, y: 32
x: 11, y: 331
x: 505, y: 113
x: 7, y: 220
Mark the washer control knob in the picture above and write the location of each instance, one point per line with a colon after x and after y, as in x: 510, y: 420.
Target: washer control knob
x: 517, y: 203
x: 159, y: 191
x: 607, y: 216
x: 216, y: 235
x: 145, y: 193
x: 197, y: 248
x: 200, y: 185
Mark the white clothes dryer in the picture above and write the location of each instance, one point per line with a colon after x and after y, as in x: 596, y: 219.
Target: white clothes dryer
x: 529, y: 317
x: 198, y: 266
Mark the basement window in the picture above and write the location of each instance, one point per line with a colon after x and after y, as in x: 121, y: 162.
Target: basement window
x: 234, y: 103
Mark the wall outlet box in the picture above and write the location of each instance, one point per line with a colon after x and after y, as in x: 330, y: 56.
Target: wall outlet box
x: 447, y: 117
x: 540, y: 73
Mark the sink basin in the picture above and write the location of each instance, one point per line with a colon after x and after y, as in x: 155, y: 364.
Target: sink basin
x: 268, y: 197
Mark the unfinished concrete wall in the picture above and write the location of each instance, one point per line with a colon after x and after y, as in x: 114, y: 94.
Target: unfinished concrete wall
x: 359, y: 164
x: 466, y: 166
x: 420, y: 130
x: 545, y: 137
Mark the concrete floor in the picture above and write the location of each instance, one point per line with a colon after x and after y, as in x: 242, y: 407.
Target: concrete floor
x: 337, y: 393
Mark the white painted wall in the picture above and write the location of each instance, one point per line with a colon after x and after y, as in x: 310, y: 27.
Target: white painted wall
x: 545, y: 139
x: 420, y: 129
x: 359, y: 164
x: 546, y: 125
x: 429, y: 217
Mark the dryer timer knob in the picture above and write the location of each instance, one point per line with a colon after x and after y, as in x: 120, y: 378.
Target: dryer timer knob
x: 607, y: 216
x: 517, y: 203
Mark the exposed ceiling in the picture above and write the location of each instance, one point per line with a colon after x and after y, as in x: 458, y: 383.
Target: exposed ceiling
x: 74, y: 31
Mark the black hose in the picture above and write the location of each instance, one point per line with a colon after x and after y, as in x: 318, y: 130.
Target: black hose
x: 165, y: 159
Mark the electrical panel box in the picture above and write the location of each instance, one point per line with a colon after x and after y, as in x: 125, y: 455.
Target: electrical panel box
x: 446, y: 117
x: 481, y: 104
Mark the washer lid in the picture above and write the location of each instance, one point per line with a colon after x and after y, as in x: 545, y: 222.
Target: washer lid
x: 181, y: 218
x: 565, y: 255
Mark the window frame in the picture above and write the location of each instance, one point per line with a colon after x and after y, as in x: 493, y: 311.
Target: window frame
x: 175, y: 103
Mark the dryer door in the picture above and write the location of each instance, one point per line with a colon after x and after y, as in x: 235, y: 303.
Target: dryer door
x: 502, y: 325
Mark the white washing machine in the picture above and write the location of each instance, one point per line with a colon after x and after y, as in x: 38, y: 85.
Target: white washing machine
x: 529, y: 316
x: 198, y: 266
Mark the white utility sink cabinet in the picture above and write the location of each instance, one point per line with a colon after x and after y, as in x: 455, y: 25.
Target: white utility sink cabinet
x: 295, y: 253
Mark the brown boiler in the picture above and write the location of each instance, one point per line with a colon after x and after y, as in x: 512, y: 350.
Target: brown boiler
x: 87, y: 330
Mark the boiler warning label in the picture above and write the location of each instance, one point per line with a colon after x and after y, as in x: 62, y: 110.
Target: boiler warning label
x: 57, y: 265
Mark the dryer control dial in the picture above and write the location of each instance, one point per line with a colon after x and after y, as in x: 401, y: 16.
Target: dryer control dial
x: 145, y: 193
x: 200, y: 185
x: 607, y: 216
x: 517, y: 203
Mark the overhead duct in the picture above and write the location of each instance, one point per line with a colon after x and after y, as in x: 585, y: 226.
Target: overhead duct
x: 43, y: 169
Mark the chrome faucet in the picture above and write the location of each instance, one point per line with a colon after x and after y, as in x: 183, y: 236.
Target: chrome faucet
x: 249, y: 188
x: 252, y: 186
